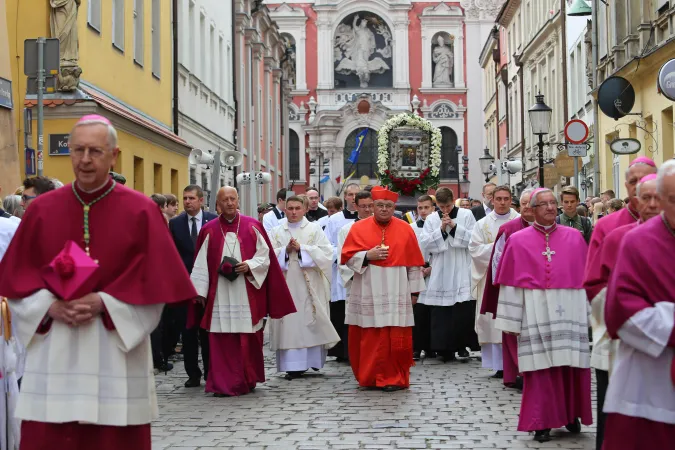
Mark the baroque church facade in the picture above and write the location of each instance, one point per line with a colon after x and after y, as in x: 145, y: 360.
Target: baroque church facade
x: 360, y: 62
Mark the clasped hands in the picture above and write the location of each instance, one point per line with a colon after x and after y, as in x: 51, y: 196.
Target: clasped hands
x: 77, y: 312
x: 293, y: 246
x: 447, y: 221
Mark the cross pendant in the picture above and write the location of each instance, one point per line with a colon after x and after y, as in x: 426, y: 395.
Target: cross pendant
x: 548, y: 253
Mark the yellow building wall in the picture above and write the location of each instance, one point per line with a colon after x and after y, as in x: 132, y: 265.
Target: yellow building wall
x: 170, y: 175
x: 103, y: 65
x: 657, y: 117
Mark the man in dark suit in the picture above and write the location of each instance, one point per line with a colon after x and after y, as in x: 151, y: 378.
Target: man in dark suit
x: 185, y: 229
x: 484, y: 208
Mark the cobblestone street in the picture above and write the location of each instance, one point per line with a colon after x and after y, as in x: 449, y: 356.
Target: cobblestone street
x: 452, y: 405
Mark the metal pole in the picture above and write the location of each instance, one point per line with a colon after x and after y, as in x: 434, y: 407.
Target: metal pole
x: 540, y: 144
x: 40, y: 99
x: 594, y: 74
x: 576, y: 172
x: 215, y: 181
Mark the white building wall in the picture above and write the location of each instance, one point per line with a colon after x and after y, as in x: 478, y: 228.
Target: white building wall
x: 205, y: 80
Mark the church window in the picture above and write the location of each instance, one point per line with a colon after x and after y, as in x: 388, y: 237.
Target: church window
x: 367, y: 162
x: 449, y: 157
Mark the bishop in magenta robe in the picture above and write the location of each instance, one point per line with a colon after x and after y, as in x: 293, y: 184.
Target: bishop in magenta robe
x: 640, y: 312
x: 88, y: 381
x: 235, y: 309
x: 491, y: 294
x: 639, y: 168
x: 597, y: 278
x: 541, y: 299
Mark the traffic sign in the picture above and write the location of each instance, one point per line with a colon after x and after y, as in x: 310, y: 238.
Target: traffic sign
x: 576, y: 131
x: 30, y: 161
x: 50, y: 60
x: 577, y: 150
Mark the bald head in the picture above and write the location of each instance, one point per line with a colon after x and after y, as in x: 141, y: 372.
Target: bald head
x: 228, y: 201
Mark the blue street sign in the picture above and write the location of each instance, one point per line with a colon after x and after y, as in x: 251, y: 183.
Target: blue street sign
x: 30, y: 161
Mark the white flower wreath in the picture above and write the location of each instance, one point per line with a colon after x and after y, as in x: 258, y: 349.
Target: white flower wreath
x: 412, y: 120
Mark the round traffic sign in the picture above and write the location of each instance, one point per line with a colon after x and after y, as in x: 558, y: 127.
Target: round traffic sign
x: 576, y: 131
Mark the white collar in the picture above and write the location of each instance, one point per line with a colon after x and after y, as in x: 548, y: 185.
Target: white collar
x: 199, y: 216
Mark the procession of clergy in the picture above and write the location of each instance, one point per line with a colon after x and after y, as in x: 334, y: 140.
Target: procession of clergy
x: 359, y: 284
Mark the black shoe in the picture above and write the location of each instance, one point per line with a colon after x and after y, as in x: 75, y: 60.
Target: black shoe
x: 193, y: 382
x: 499, y: 374
x: 542, y: 435
x: 219, y: 395
x: 416, y: 356
x: 574, y: 427
x: 292, y: 375
x: 519, y: 383
x: 315, y: 369
x: 448, y: 357
x: 463, y: 353
x: 165, y: 367
x: 392, y: 388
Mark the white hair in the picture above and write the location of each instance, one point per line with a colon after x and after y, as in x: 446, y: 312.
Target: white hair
x: 112, y: 133
x: 57, y: 184
x: 633, y: 165
x: 527, y: 192
x: 533, y: 199
x: 667, y: 169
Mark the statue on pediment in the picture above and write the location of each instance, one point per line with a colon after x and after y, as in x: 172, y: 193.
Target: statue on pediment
x: 63, y: 24
x: 444, y: 62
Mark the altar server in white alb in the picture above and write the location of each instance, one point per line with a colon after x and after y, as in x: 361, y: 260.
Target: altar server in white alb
x: 302, y: 339
x: 480, y: 248
x: 445, y: 237
x: 338, y: 294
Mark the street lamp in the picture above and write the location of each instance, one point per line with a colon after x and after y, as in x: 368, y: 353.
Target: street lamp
x: 540, y: 120
x: 486, y: 162
x: 464, y: 186
x: 579, y: 9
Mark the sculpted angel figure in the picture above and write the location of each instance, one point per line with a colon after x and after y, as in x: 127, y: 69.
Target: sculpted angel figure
x: 63, y: 24
x: 358, y: 44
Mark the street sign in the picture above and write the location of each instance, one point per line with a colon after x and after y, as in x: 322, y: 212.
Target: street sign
x: 551, y: 176
x: 30, y: 161
x: 31, y: 85
x: 627, y: 146
x: 51, y: 57
x: 666, y: 80
x: 576, y: 131
x: 577, y: 150
x: 6, y: 94
x: 58, y: 144
x: 564, y: 164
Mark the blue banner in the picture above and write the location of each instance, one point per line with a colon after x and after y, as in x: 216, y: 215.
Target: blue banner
x: 324, y: 179
x: 359, y: 143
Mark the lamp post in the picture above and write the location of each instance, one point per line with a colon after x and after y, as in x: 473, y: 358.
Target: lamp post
x: 540, y: 121
x: 486, y: 161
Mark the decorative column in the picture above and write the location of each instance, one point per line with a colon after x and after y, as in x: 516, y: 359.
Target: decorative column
x: 283, y: 160
x: 277, y: 101
x: 325, y: 52
x: 458, y: 49
x: 401, y: 76
x: 300, y: 71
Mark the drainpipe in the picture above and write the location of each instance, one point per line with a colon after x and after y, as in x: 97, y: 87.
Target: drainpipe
x: 235, y: 131
x: 174, y: 26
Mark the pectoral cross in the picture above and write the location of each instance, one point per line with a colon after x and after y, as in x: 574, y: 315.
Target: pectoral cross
x: 560, y: 310
x: 548, y: 253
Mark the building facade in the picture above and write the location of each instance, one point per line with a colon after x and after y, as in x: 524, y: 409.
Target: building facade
x: 360, y: 62
x: 9, y: 153
x: 205, y: 79
x: 123, y: 49
x: 263, y: 74
x: 635, y: 39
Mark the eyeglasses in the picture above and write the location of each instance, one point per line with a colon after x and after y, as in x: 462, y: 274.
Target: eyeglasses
x: 25, y: 197
x: 547, y: 204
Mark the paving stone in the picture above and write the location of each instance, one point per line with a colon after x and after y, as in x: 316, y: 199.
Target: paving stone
x: 452, y: 405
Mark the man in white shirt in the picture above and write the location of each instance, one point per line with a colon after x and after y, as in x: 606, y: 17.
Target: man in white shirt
x: 272, y: 219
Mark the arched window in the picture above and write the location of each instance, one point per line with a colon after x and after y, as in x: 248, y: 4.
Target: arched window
x: 293, y: 155
x: 449, y: 157
x: 367, y: 162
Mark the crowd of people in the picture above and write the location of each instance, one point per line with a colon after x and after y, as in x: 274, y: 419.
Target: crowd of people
x: 103, y: 282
